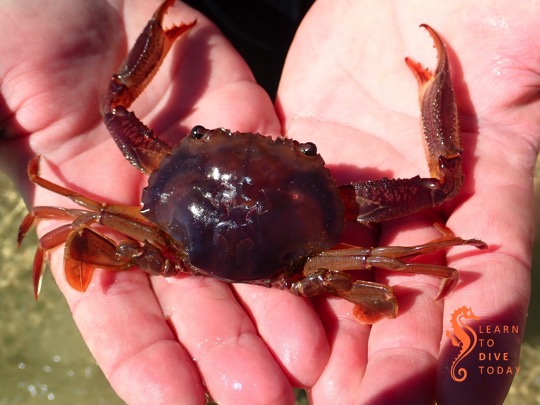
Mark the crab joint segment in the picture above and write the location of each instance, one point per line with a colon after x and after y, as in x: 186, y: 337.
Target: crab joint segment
x: 384, y: 199
x: 136, y: 141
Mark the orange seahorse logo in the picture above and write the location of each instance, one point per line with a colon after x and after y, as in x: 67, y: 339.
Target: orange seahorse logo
x: 464, y: 337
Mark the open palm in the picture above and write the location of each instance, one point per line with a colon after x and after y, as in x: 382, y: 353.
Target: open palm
x: 345, y: 87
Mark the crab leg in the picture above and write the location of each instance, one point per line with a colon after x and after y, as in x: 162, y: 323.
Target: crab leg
x: 324, y: 273
x: 137, y: 142
x: 149, y: 247
x: 85, y: 245
x: 380, y: 200
x: 53, y: 238
x: 373, y: 301
x: 79, y: 199
x: 48, y: 241
x: 87, y: 249
x: 43, y: 213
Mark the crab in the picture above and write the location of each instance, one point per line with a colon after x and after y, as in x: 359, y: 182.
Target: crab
x: 244, y: 207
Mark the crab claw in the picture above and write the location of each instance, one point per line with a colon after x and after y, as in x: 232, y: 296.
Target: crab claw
x: 440, y: 118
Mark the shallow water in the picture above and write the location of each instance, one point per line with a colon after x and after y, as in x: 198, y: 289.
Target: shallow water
x: 44, y: 360
x: 42, y: 356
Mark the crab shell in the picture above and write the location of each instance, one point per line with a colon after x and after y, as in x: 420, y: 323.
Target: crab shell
x: 243, y: 205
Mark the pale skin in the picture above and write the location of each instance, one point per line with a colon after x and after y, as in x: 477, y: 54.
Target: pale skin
x: 344, y: 87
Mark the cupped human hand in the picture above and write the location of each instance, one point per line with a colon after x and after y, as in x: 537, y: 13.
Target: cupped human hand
x: 157, y: 340
x: 345, y: 86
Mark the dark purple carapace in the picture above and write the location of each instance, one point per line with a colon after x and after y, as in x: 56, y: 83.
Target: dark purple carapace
x: 243, y: 205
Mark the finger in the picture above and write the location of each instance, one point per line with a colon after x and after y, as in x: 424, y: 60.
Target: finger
x: 341, y: 379
x: 406, y: 347
x: 119, y: 317
x: 290, y: 328
x: 495, y: 284
x: 232, y: 359
x: 124, y: 328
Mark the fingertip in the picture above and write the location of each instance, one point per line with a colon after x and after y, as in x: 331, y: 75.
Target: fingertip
x: 291, y: 329
x: 159, y: 374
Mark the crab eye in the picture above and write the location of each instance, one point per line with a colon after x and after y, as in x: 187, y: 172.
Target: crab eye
x: 308, y: 148
x: 197, y: 132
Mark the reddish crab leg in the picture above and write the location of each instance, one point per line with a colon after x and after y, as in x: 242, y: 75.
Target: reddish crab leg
x: 79, y: 199
x: 48, y: 241
x: 86, y: 249
x: 373, y: 301
x: 51, y: 239
x: 380, y: 200
x: 137, y: 142
x: 38, y: 213
x: 440, y: 119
